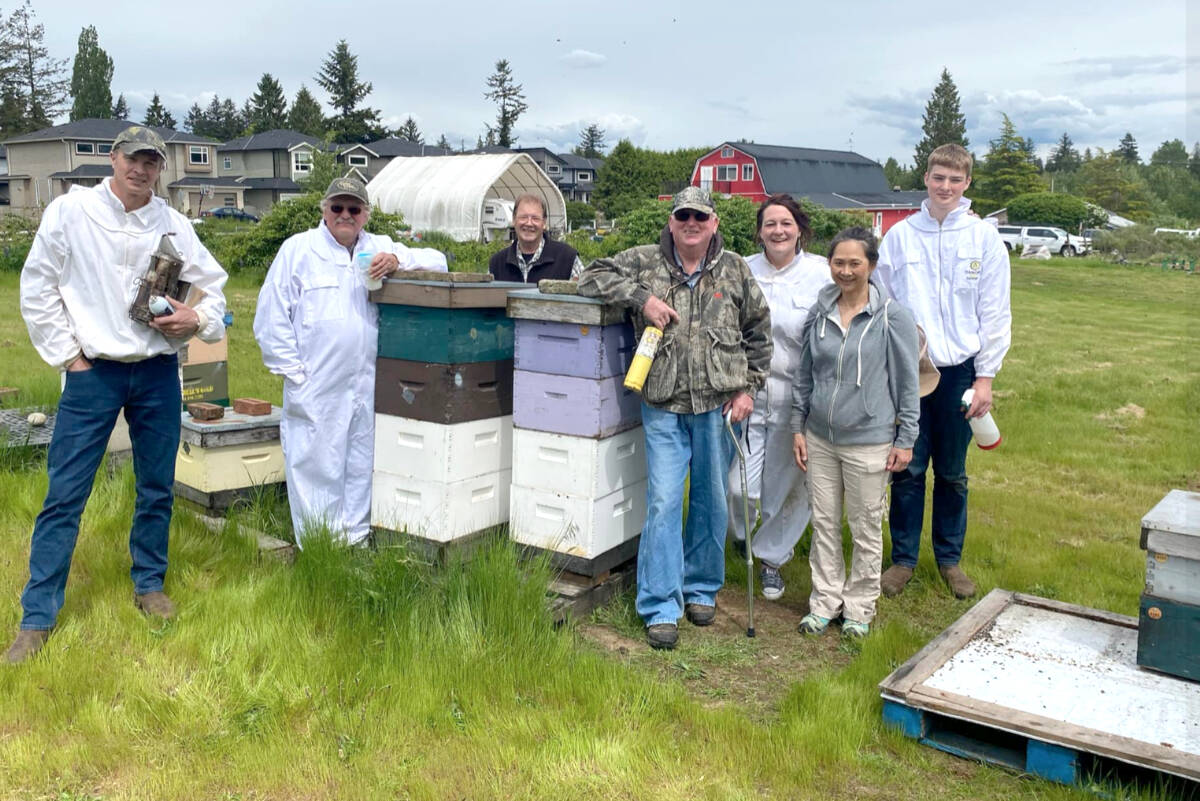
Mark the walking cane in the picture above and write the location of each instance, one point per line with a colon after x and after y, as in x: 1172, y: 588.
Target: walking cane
x: 746, y: 519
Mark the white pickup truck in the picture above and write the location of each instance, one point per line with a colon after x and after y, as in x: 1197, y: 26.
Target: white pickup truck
x: 1057, y: 240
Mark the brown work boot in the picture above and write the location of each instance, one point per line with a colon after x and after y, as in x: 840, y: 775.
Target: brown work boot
x: 894, y: 579
x: 27, y: 643
x: 156, y: 604
x: 960, y: 584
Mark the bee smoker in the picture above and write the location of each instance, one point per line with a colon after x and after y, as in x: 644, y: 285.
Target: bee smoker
x: 161, y: 279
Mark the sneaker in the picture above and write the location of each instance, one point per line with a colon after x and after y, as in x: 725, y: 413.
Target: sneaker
x: 662, y: 636
x: 156, y: 604
x: 960, y: 584
x: 812, y: 624
x: 27, y: 643
x: 772, y: 582
x: 894, y: 579
x: 855, y: 629
x: 700, y: 614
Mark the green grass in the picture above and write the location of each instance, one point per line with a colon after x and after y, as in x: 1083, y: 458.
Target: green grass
x: 366, y: 676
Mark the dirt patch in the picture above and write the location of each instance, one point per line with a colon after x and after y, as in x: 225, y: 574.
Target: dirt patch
x: 720, y: 665
x: 1121, y: 418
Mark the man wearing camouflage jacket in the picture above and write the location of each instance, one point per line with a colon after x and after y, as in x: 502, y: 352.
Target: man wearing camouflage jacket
x: 714, y: 355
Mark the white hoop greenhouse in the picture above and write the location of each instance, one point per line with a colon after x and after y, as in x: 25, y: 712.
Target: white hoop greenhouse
x: 449, y: 193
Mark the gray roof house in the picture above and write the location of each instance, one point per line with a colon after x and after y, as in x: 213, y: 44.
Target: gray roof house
x: 45, y: 164
x: 578, y: 179
x: 365, y: 161
x: 269, y: 165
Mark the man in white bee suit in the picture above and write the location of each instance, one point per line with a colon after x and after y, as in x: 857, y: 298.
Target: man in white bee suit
x: 317, y: 328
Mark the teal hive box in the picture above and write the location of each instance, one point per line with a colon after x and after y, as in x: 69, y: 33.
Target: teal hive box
x: 445, y: 336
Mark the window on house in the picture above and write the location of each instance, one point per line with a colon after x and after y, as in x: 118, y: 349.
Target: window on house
x: 301, y: 161
x: 727, y: 152
x: 747, y: 172
x: 197, y: 154
x: 103, y: 149
x: 356, y: 160
x: 727, y: 172
x: 583, y: 176
x: 85, y: 148
x: 227, y: 162
x: 553, y: 169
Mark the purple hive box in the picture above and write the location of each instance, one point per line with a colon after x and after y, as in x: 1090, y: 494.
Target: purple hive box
x: 582, y: 407
x: 587, y: 351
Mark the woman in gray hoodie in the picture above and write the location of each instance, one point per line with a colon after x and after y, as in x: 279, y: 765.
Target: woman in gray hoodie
x: 854, y: 419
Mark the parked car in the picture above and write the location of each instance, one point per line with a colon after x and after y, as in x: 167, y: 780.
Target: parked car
x: 1056, y: 240
x: 229, y: 213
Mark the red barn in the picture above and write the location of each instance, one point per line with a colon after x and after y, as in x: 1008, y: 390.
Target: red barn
x: 833, y: 179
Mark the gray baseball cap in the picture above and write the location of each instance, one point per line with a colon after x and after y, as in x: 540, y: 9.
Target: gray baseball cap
x: 695, y: 198
x: 348, y: 186
x: 137, y: 138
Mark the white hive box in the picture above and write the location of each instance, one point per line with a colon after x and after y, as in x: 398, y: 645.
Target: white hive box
x: 442, y: 452
x: 437, y: 510
x: 582, y: 466
x: 1171, y: 538
x: 229, y: 466
x: 576, y: 525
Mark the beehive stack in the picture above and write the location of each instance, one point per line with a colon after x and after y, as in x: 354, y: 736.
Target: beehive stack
x: 235, y: 456
x: 1169, y: 618
x: 443, y: 408
x: 579, y: 463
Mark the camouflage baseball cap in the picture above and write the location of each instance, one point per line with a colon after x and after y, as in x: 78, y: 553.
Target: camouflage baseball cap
x: 347, y: 186
x: 695, y: 198
x: 137, y: 138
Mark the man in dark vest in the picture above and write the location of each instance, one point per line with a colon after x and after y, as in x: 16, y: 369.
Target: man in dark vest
x: 534, y: 255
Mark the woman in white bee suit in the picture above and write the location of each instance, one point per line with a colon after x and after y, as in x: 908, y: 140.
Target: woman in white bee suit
x: 791, y: 279
x: 317, y: 328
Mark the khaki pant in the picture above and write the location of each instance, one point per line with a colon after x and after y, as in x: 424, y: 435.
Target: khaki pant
x: 859, y: 472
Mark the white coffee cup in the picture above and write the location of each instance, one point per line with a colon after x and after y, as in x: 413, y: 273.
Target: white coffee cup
x: 363, y: 260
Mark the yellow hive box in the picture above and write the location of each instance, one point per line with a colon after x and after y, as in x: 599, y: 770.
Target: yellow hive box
x: 229, y: 466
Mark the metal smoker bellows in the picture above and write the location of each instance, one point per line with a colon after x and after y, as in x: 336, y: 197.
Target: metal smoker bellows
x: 161, y: 278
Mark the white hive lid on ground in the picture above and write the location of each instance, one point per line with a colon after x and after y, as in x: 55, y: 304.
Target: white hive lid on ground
x: 447, y: 193
x: 1173, y: 525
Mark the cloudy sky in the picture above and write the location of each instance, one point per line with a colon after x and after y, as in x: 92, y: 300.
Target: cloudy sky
x: 666, y: 75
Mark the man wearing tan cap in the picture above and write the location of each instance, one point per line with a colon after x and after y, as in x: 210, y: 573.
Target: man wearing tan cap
x: 318, y: 329
x: 79, y: 281
x: 713, y: 358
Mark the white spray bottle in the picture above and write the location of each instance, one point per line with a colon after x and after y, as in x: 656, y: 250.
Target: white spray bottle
x: 987, y: 433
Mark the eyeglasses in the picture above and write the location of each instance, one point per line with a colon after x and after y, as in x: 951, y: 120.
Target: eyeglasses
x: 683, y: 215
x: 529, y: 218
x: 338, y: 208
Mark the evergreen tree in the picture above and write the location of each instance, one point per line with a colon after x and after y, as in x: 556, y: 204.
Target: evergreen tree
x: 339, y: 77
x: 1194, y: 161
x: 232, y: 121
x: 1064, y: 158
x: 1172, y: 153
x: 268, y: 106
x: 444, y: 142
x: 510, y: 103
x: 1127, y: 149
x: 157, y: 115
x: 305, y: 115
x: 591, y: 142
x: 1110, y: 182
x: 120, y: 109
x: 1087, y: 154
x: 1007, y: 170
x: 42, y: 80
x: 896, y: 175
x: 943, y: 123
x: 195, y: 120
x: 409, y: 132
x: 91, y: 78
x: 12, y: 111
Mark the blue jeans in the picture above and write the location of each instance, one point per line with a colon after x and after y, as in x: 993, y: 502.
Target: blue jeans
x: 678, y: 566
x: 945, y: 436
x: 149, y: 392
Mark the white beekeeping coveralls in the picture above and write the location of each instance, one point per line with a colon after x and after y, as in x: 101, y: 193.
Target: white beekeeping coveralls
x: 317, y: 328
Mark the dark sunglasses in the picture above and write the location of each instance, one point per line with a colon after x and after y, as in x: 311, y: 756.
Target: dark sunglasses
x: 683, y: 215
x: 338, y: 208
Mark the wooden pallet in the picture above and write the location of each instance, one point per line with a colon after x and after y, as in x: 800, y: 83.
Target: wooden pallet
x: 1048, y: 688
x: 574, y: 595
x: 217, y: 504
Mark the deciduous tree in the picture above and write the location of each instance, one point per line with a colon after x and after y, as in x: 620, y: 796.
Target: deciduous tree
x: 1172, y: 153
x: 91, y: 78
x: 510, y: 102
x: 40, y: 80
x: 943, y: 123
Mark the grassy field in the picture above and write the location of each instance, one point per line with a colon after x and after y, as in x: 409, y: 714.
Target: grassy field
x: 370, y: 676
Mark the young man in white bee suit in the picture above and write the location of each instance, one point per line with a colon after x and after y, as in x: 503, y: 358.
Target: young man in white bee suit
x: 317, y: 328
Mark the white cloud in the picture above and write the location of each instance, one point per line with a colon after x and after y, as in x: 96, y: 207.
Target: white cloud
x: 583, y: 59
x: 562, y: 136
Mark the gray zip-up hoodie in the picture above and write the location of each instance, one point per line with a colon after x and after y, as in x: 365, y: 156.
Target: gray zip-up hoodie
x: 858, y: 388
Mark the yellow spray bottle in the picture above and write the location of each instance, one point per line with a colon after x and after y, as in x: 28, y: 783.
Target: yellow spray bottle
x: 643, y: 358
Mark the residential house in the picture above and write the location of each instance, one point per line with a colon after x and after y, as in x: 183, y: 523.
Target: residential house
x: 365, y: 161
x: 45, y: 164
x: 833, y: 179
x: 550, y: 163
x: 578, y: 179
x: 269, y: 165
